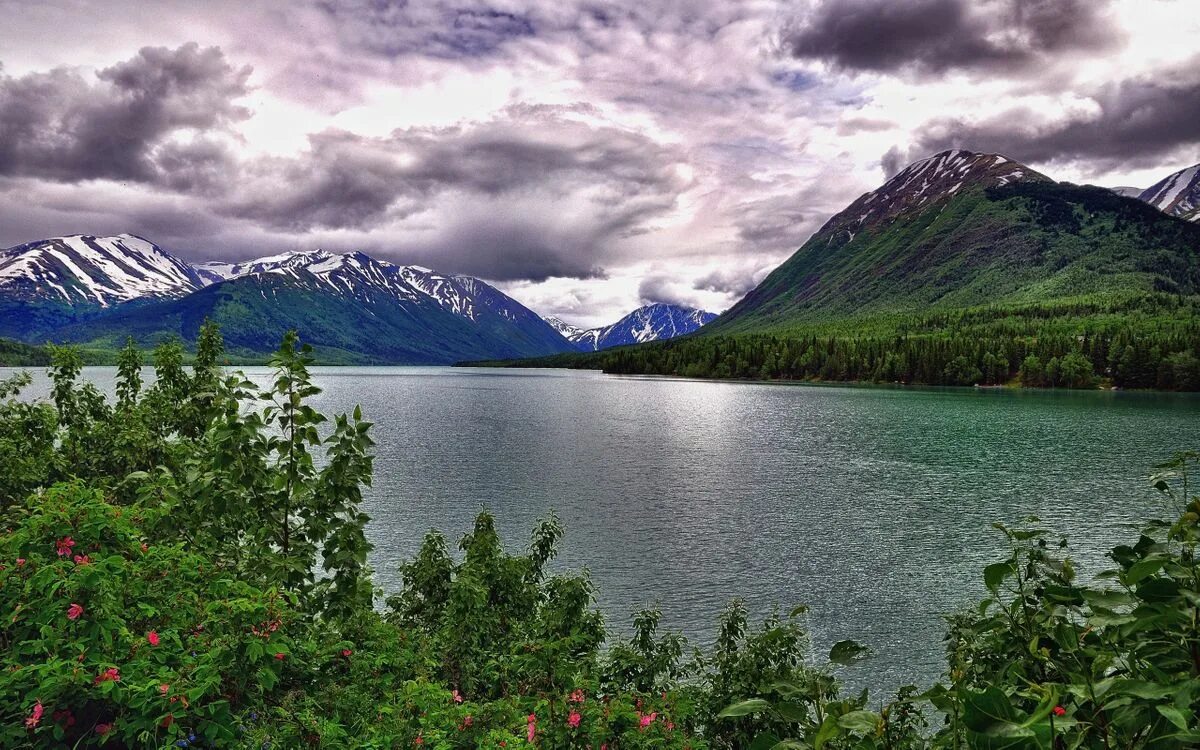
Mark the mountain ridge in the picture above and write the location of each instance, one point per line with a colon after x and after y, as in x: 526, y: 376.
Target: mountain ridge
x: 1006, y: 234
x: 383, y: 312
x: 656, y: 321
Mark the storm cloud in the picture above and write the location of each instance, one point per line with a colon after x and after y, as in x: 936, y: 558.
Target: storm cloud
x: 1132, y: 122
x: 935, y: 36
x: 63, y: 125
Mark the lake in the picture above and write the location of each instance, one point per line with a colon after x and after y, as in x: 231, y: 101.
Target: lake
x: 873, y: 506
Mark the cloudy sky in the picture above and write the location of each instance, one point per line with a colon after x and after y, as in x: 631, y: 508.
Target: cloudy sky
x: 584, y: 156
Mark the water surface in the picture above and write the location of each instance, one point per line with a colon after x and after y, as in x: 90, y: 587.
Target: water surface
x: 871, y: 506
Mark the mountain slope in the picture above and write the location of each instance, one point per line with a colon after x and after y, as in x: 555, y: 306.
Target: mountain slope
x: 961, y: 230
x: 565, y: 329
x: 655, y: 322
x: 352, y: 307
x: 50, y: 282
x: 89, y: 270
x: 1177, y: 194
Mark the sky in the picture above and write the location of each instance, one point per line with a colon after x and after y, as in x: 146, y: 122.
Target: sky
x: 585, y: 157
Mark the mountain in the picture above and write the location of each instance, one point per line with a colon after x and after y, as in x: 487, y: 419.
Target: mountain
x: 963, y: 269
x: 1127, y: 191
x: 655, y: 322
x: 352, y: 307
x: 1177, y: 194
x: 963, y: 229
x: 565, y: 329
x: 50, y: 282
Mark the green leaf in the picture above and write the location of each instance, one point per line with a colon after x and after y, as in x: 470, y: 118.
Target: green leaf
x: 860, y: 722
x: 790, y: 711
x: 745, y: 708
x: 1174, y: 715
x: 847, y: 652
x: 1143, y: 569
x: 994, y: 574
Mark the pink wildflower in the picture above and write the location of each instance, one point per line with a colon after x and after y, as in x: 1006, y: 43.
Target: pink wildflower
x: 83, y: 560
x: 573, y: 719
x: 20, y: 562
x: 103, y: 728
x: 74, y: 611
x: 347, y: 653
x: 163, y: 688
x: 531, y: 730
x: 457, y: 698
x: 35, y: 717
x: 63, y: 546
x: 577, y: 696
x: 648, y: 719
x: 280, y: 656
x: 152, y: 637
x: 112, y: 674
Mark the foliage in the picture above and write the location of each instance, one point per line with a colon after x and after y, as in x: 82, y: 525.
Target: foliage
x: 185, y: 566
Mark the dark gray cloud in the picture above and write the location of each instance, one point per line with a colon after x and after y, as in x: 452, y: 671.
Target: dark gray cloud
x: 1137, y: 122
x: 528, y: 196
x: 64, y: 126
x: 501, y: 247
x: 663, y: 289
x: 935, y: 36
x: 732, y: 281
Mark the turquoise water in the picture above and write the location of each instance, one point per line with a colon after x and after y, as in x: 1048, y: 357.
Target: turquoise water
x: 871, y: 506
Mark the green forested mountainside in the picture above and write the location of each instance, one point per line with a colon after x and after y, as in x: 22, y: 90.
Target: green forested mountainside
x: 186, y: 566
x: 15, y: 353
x: 1037, y: 283
x: 1131, y: 341
x: 1017, y: 244
x: 252, y: 310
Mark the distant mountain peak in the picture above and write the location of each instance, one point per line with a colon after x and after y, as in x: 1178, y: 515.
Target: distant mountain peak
x: 563, y: 327
x: 1177, y: 194
x: 927, y: 182
x: 1127, y: 191
x: 656, y: 321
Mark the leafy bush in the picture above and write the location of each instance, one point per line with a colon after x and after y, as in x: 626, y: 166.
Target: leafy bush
x: 186, y: 567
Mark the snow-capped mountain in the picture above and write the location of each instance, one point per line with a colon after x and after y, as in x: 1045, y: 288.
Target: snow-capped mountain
x: 354, y: 307
x: 654, y: 322
x: 1177, y: 194
x: 565, y: 329
x: 929, y: 181
x: 85, y: 270
x: 359, y: 275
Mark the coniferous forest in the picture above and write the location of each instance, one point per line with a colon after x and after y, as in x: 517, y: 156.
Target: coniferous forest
x: 1144, y: 342
x: 186, y: 565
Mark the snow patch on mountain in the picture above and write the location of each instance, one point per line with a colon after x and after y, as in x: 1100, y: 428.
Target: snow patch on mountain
x: 84, y: 269
x: 655, y: 322
x: 358, y: 274
x: 928, y: 182
x: 564, y: 328
x: 1177, y: 194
